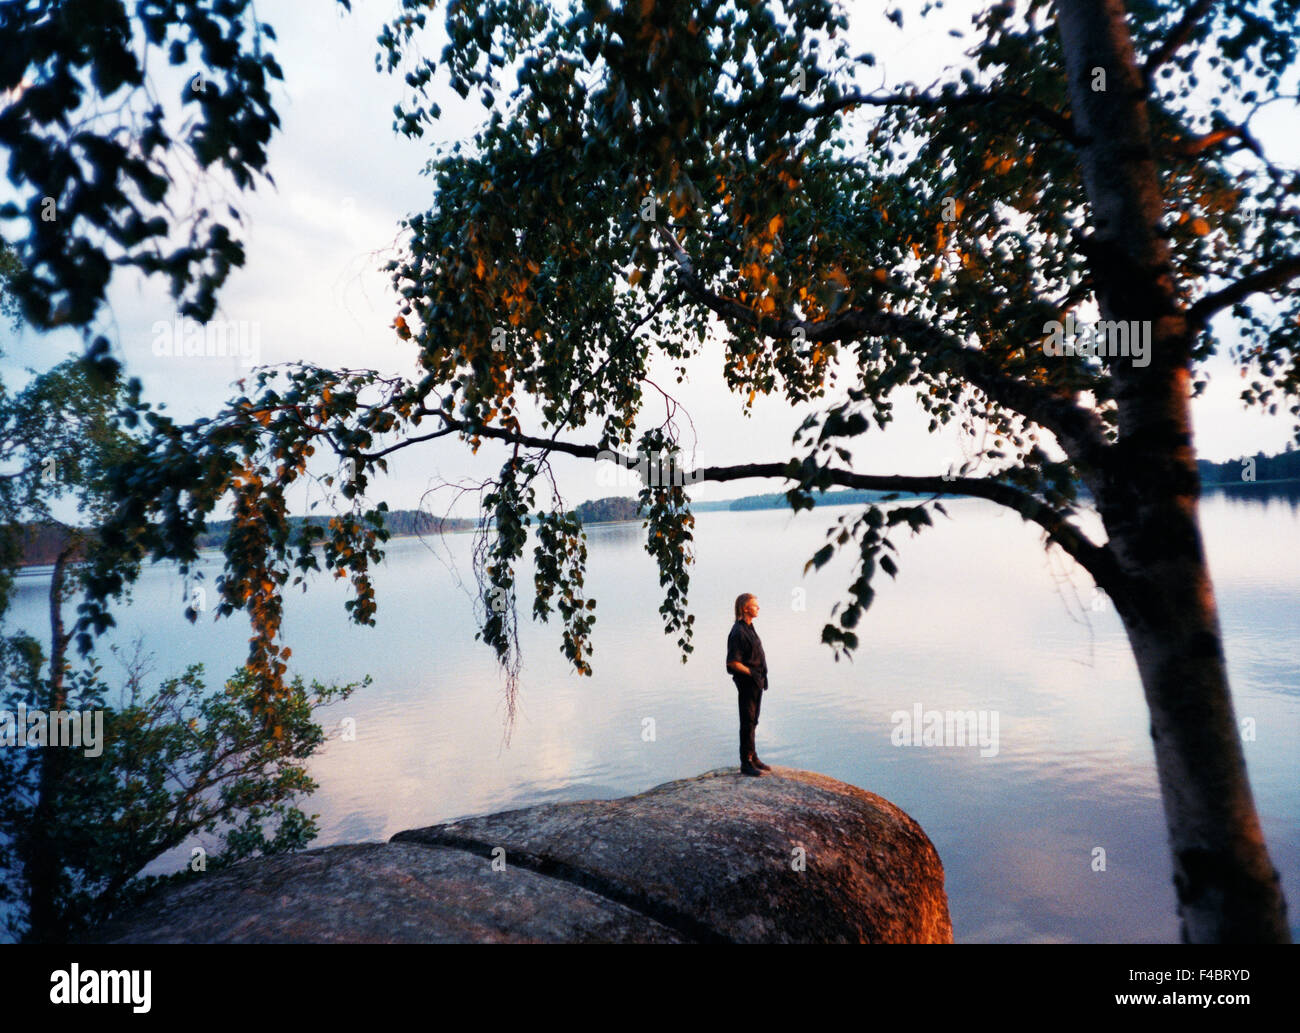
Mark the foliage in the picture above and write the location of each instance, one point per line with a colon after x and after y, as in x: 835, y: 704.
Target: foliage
x: 647, y: 170
x: 398, y: 523
x: 1283, y: 466
x: 95, y: 158
x: 176, y: 763
x: 58, y: 440
x: 658, y: 165
x: 199, y: 464
x: 75, y: 830
x: 9, y: 266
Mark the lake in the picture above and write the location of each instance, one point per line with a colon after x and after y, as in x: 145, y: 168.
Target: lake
x: 980, y: 618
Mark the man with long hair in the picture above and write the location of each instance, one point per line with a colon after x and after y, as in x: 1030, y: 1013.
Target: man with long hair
x: 747, y: 665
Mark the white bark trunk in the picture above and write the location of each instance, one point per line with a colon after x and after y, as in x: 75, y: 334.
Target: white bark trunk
x: 1147, y: 493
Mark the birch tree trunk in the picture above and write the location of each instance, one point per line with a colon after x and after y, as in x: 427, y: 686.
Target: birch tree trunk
x: 43, y: 875
x: 1228, y: 889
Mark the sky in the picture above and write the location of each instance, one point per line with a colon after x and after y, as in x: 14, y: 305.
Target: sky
x: 312, y: 287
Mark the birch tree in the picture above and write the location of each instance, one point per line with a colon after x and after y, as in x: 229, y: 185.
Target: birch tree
x: 646, y: 171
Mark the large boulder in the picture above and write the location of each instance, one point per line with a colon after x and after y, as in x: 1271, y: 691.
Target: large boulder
x: 790, y: 857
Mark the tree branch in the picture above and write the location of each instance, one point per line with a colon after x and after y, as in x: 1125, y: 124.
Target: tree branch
x: 1079, y: 430
x: 1054, y: 120
x: 416, y: 439
x: 1194, y: 146
x: 1181, y: 33
x: 1262, y: 280
x: 1096, y: 559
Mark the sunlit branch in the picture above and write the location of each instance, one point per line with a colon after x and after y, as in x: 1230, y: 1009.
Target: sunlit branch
x: 1199, y: 145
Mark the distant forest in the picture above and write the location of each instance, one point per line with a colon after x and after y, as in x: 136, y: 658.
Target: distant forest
x: 1282, y: 467
x: 398, y: 522
x: 613, y: 508
x: 44, y: 542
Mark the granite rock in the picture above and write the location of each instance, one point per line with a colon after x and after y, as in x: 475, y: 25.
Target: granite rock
x: 793, y: 856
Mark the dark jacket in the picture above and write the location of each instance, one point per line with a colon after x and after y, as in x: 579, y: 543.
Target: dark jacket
x: 743, y: 644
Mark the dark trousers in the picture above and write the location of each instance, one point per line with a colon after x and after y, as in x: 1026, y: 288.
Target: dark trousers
x: 749, y: 697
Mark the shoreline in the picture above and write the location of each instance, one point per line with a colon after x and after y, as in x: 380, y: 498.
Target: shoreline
x: 1226, y: 487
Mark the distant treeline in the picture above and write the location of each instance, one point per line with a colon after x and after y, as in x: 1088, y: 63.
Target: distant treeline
x: 397, y: 522
x: 44, y: 542
x: 1282, y: 467
x: 613, y: 508
x: 777, y: 499
x: 624, y: 508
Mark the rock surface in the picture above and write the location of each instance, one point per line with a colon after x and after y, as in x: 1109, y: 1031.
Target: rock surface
x: 791, y: 857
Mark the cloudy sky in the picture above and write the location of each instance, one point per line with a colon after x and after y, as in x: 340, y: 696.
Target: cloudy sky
x: 311, y: 288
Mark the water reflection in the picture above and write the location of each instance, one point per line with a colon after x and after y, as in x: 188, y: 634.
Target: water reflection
x: 1257, y: 493
x: 980, y: 618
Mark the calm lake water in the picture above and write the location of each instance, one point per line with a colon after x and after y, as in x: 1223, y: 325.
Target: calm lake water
x: 980, y: 618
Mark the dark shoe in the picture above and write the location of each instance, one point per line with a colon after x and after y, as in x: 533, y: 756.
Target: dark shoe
x: 759, y: 764
x: 749, y: 769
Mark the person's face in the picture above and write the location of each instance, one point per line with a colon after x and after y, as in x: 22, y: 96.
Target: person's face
x: 751, y: 609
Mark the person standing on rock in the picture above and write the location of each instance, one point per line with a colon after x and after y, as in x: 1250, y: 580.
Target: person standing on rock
x: 747, y: 665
